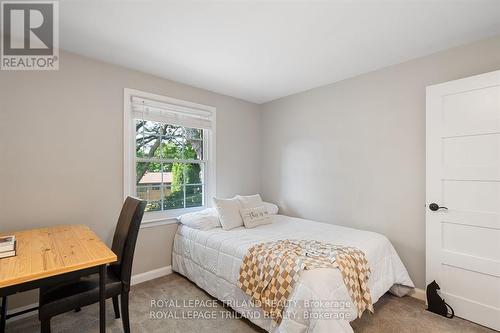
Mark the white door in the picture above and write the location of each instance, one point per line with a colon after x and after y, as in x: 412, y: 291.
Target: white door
x: 463, y: 175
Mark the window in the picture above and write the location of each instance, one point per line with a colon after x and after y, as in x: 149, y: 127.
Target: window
x: 169, y: 154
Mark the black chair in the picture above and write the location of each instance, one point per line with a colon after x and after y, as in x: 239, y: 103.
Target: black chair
x: 73, y: 295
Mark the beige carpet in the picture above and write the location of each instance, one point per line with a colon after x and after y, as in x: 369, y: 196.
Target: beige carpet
x: 392, y: 314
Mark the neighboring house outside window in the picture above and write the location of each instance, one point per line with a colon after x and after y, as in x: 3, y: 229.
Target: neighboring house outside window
x: 149, y: 186
x: 169, y: 154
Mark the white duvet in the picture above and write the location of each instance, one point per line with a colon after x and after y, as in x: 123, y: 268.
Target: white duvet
x: 320, y: 302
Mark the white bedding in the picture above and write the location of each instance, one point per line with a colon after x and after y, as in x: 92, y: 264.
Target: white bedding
x: 212, y: 260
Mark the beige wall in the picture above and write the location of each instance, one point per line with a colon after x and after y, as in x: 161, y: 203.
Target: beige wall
x: 61, y: 149
x: 353, y: 152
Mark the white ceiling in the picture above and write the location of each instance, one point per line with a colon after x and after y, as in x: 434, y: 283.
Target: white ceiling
x: 262, y: 50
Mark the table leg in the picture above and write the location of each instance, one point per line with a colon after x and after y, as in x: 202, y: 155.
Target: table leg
x: 102, y: 298
x: 3, y: 314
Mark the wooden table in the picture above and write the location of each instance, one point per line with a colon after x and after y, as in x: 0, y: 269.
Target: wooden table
x: 47, y: 256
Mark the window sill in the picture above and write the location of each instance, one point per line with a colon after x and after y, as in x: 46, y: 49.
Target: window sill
x: 154, y: 219
x: 157, y: 223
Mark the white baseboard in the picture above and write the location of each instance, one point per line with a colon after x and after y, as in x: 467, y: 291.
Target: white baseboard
x: 136, y: 279
x: 150, y: 275
x: 419, y: 294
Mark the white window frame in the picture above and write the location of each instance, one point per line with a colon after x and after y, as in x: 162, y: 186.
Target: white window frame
x: 129, y: 153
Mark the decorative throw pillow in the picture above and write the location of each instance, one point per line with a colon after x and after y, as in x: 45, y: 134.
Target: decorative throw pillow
x: 271, y: 208
x: 229, y: 213
x: 253, y: 217
x: 203, y: 220
x: 250, y: 201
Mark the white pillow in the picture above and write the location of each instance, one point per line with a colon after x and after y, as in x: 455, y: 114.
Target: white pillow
x: 229, y: 213
x: 203, y: 220
x: 271, y: 208
x: 249, y: 201
x: 253, y: 217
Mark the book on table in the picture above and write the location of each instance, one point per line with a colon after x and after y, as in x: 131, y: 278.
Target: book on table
x: 7, y: 246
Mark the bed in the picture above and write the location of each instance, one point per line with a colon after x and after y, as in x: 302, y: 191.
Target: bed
x: 320, y: 301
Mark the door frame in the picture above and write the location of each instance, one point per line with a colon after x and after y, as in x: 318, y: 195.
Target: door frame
x: 435, y: 255
x: 433, y: 176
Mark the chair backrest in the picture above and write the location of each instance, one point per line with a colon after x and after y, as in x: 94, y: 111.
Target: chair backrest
x: 125, y: 238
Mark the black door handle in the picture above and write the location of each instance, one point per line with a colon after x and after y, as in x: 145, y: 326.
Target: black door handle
x: 435, y: 207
